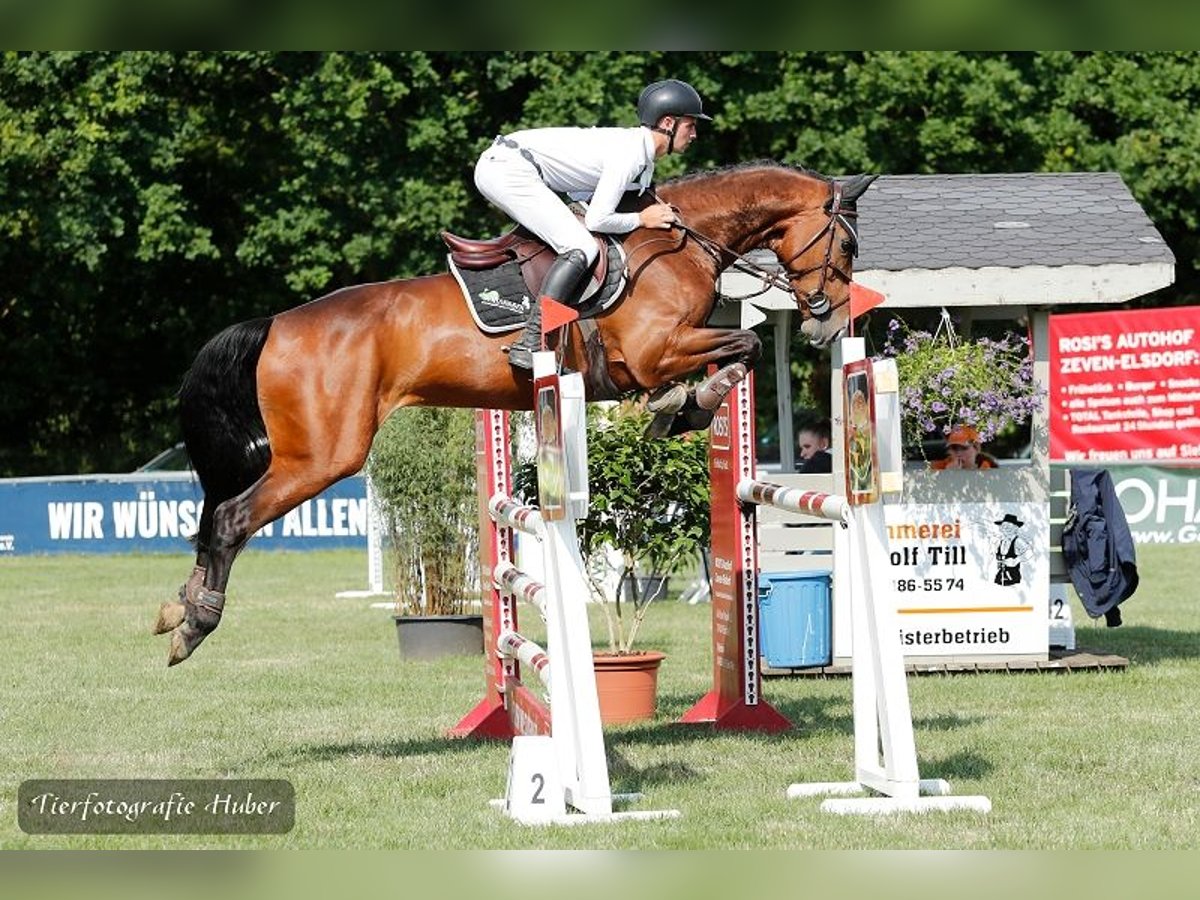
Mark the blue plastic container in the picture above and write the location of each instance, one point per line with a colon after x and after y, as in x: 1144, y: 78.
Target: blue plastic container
x: 794, y: 619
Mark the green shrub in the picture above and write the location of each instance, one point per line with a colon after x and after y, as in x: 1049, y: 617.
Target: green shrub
x: 422, y: 467
x: 648, y: 500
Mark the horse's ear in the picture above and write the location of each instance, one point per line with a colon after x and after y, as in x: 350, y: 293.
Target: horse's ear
x: 855, y: 187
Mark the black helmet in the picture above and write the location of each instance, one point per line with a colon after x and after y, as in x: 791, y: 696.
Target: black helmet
x: 669, y: 98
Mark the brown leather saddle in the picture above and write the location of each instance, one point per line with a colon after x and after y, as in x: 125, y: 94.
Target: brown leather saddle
x: 524, y: 248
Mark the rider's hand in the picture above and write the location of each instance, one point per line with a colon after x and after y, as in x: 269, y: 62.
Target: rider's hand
x: 660, y: 215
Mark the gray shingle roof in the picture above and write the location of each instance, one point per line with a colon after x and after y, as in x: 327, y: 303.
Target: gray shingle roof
x: 1013, y: 220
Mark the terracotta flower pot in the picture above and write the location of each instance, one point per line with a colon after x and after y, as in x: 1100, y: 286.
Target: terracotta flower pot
x: 627, y: 685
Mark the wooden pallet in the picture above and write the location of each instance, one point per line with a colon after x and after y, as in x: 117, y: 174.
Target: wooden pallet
x: 1060, y: 660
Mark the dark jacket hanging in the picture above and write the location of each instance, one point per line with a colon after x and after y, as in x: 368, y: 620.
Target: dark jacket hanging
x: 1097, y: 545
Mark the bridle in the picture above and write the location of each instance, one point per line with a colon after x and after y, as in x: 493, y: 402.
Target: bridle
x: 815, y: 301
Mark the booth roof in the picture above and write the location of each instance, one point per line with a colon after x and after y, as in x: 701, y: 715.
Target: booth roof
x: 1024, y: 219
x: 1040, y: 238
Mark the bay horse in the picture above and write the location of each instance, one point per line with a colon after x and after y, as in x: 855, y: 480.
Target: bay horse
x: 274, y: 410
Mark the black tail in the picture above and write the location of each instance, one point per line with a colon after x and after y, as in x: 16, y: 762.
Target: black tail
x: 222, y: 425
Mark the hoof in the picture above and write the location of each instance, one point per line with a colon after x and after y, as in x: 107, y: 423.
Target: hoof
x: 716, y: 388
x: 179, y: 649
x: 660, y: 426
x: 172, y: 613
x: 203, y: 615
x: 170, y: 616
x: 669, y: 398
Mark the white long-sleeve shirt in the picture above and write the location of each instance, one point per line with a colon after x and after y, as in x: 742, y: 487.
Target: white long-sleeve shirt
x: 601, y: 162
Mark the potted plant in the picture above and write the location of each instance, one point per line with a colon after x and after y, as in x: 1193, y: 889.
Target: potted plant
x: 946, y: 381
x: 648, y: 514
x: 422, y: 467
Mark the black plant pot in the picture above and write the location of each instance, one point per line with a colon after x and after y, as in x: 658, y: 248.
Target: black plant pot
x: 433, y: 637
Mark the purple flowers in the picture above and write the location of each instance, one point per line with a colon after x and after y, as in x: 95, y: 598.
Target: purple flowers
x: 945, y: 381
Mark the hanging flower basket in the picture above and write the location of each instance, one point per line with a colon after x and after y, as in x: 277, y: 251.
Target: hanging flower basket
x: 945, y: 381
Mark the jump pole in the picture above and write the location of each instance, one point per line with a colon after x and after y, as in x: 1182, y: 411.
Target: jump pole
x: 558, y: 770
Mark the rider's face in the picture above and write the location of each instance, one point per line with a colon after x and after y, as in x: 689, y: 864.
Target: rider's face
x: 685, y: 133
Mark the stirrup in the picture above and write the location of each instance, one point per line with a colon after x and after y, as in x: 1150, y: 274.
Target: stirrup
x: 520, y: 357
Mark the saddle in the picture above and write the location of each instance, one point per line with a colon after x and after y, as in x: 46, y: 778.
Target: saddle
x: 499, y: 276
x: 520, y: 246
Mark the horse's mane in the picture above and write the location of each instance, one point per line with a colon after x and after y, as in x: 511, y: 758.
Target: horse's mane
x: 745, y: 167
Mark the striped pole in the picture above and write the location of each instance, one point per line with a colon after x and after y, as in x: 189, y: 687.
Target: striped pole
x: 508, y: 512
x: 807, y: 503
x: 527, y: 652
x: 513, y: 581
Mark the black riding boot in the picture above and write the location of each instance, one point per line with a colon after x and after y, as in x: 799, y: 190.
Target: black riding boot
x: 560, y: 283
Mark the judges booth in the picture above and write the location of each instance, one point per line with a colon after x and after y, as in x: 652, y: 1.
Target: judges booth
x: 987, y: 249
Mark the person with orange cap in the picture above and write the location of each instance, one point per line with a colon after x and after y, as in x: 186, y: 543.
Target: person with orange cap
x: 963, y: 451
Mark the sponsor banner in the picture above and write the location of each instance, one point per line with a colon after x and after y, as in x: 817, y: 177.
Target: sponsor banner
x: 158, y: 513
x: 1161, y: 504
x: 1125, y: 385
x: 970, y: 579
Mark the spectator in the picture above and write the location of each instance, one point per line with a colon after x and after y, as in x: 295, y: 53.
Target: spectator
x: 812, y: 447
x: 964, y: 451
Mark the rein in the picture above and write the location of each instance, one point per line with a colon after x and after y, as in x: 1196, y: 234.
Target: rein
x: 816, y: 300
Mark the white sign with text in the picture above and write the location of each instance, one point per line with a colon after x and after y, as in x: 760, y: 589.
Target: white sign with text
x: 969, y: 579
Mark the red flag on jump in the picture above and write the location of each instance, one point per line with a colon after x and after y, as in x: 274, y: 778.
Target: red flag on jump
x: 863, y: 299
x: 555, y: 315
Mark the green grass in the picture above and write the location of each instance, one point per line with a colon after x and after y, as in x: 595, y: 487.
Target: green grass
x: 300, y: 685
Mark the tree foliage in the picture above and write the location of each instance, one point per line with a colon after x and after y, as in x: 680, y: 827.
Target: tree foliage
x: 148, y: 199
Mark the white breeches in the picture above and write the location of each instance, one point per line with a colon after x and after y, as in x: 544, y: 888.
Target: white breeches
x: 511, y: 183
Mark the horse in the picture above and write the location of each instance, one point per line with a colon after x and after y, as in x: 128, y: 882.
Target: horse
x: 274, y: 410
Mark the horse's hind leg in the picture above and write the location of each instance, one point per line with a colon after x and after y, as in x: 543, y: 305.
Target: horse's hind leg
x: 172, y: 612
x: 234, y: 522
x: 203, y: 596
x: 202, y: 611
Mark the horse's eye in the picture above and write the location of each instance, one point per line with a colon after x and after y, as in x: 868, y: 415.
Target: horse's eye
x: 849, y: 246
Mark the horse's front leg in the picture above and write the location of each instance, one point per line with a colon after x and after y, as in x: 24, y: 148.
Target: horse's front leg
x: 690, y: 350
x: 687, y: 350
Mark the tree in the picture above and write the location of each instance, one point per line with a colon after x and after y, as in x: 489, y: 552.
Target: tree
x: 148, y: 199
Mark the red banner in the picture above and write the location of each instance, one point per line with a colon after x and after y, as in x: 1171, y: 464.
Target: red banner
x: 1125, y: 385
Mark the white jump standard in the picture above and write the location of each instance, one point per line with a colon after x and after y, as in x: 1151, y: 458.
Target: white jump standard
x: 884, y: 746
x: 558, y: 771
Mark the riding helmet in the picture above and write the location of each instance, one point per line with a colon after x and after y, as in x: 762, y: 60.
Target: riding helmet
x: 669, y: 98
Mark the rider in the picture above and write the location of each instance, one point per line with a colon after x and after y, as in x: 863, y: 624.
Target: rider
x: 522, y: 174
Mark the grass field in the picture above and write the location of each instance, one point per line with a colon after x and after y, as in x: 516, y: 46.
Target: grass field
x: 299, y: 685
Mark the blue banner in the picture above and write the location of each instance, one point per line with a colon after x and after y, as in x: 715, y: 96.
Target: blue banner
x: 157, y: 513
